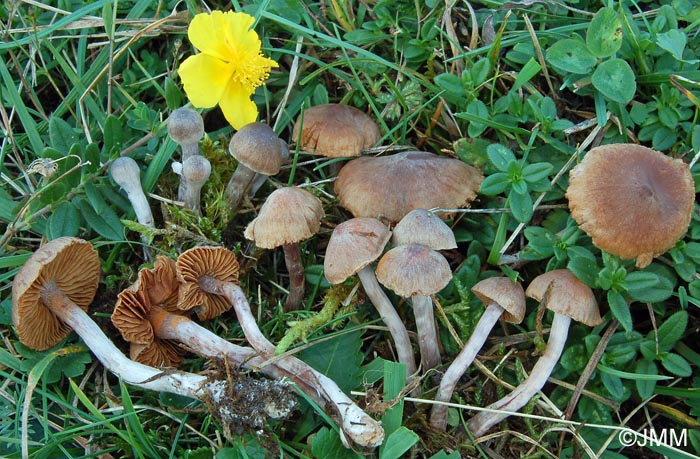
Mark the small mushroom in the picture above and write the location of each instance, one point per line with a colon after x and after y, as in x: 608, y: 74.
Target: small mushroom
x: 195, y: 172
x: 125, y: 172
x: 353, y: 247
x: 258, y: 150
x: 569, y: 298
x: 288, y: 216
x: 50, y: 296
x: 633, y: 201
x: 417, y: 272
x: 503, y: 298
x: 186, y: 127
x: 389, y: 187
x: 423, y: 227
x: 206, y: 276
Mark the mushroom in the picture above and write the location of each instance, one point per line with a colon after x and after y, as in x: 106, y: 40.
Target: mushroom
x: 415, y: 271
x: 503, y: 298
x: 388, y: 187
x: 195, y: 172
x: 569, y: 298
x: 186, y: 127
x: 288, y: 215
x: 258, y: 150
x: 423, y: 227
x: 335, y: 131
x: 206, y: 276
x: 125, y: 172
x: 633, y: 201
x: 50, y: 296
x: 353, y: 247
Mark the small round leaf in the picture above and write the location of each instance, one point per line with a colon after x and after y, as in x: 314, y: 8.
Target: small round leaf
x: 604, y: 36
x: 615, y: 80
x: 571, y: 56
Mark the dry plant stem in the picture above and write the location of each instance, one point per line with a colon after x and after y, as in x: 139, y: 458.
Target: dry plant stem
x: 355, y: 424
x: 438, y: 413
x: 427, y: 335
x: 292, y: 258
x: 391, y: 318
x: 482, y: 422
x: 237, y: 186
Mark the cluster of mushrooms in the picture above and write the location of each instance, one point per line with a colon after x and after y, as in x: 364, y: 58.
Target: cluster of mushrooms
x: 390, y: 198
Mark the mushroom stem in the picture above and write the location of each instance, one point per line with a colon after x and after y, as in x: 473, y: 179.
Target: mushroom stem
x: 357, y: 425
x: 238, y: 185
x: 438, y: 413
x: 558, y: 333
x: 390, y: 317
x: 427, y: 335
x: 297, y: 279
x: 195, y: 172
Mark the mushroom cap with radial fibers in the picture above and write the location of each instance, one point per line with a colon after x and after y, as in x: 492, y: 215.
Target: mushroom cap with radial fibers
x: 507, y: 294
x: 287, y: 216
x: 413, y: 269
x: 185, y: 125
x: 73, y: 265
x: 389, y: 187
x: 199, y: 262
x: 335, y: 130
x: 421, y: 226
x: 354, y: 244
x: 563, y: 293
x: 257, y: 147
x: 159, y: 353
x: 633, y: 201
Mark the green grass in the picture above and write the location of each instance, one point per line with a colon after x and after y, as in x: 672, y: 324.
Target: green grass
x: 82, y: 83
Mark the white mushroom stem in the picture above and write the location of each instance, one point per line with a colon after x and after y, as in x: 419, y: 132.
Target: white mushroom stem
x: 297, y: 277
x: 195, y: 172
x: 355, y: 424
x: 238, y: 185
x: 558, y: 333
x: 259, y: 179
x: 391, y: 318
x: 125, y: 172
x: 427, y: 335
x: 438, y: 413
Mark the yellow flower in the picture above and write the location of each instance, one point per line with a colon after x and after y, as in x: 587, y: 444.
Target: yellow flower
x: 229, y: 66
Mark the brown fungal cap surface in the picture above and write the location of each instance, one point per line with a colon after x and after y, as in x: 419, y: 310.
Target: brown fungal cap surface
x: 421, y: 226
x: 68, y: 264
x: 353, y: 245
x: 200, y: 262
x: 336, y: 130
x: 257, y: 147
x: 633, y: 201
x: 413, y: 269
x: 563, y: 293
x: 508, y: 294
x: 389, y: 187
x: 287, y: 216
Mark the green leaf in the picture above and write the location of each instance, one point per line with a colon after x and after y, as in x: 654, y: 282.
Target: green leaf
x: 394, y: 382
x: 620, y: 309
x: 521, y: 205
x: 614, y: 386
x: 633, y: 376
x: 173, y: 94
x: 106, y: 224
x: 574, y: 358
x: 528, y: 72
x: 604, y: 36
x: 672, y: 330
x: 571, y: 56
x: 478, y: 109
x: 61, y: 135
x: 583, y: 264
x: 339, y: 358
x: 500, y: 156
x: 112, y: 135
x: 480, y: 71
x: 326, y: 443
x: 398, y: 443
x: 645, y: 387
x: 97, y: 201
x: 537, y: 171
x: 495, y: 184
x: 64, y: 221
x: 674, y: 41
x: 674, y: 363
x: 452, y: 85
x: 615, y: 80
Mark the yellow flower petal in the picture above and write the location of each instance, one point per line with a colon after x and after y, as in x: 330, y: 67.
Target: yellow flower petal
x: 204, y: 79
x: 206, y: 33
x: 237, y: 106
x: 239, y: 36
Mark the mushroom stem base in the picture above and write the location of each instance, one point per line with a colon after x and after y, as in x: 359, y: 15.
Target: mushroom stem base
x: 427, y: 335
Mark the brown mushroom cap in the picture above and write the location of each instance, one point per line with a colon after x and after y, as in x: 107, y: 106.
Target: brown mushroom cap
x: 421, y: 226
x: 336, y: 130
x: 389, y: 187
x: 287, y: 216
x: 159, y: 354
x: 633, y: 201
x: 563, y: 293
x: 257, y: 147
x: 353, y: 245
x: 413, y: 269
x: 73, y: 265
x: 507, y: 294
x: 196, y: 263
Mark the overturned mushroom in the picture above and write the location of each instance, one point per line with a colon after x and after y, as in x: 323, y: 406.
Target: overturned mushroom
x: 503, y: 298
x: 353, y: 247
x: 207, y: 279
x: 288, y: 216
x: 569, y: 298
